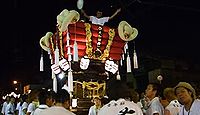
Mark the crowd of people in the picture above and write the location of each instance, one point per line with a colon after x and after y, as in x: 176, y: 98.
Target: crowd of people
x: 179, y: 100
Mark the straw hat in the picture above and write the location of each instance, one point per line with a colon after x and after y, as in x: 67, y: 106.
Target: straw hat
x: 72, y: 17
x: 44, y: 41
x: 187, y: 86
x: 61, y: 16
x: 126, y: 32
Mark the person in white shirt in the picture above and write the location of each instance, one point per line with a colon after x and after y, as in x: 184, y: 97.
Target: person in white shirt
x: 187, y: 97
x: 98, y: 19
x: 171, y: 104
x: 5, y: 104
x: 18, y: 105
x: 10, y: 108
x: 22, y: 108
x: 154, y: 107
x: 96, y: 107
x: 46, y: 100
x: 120, y: 101
x: 33, y: 99
x: 61, y: 106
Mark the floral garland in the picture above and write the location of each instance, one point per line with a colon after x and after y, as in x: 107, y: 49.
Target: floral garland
x: 61, y: 44
x: 52, y: 45
x: 89, y: 48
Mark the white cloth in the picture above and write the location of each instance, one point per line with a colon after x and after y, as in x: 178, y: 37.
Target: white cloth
x: 155, y: 106
x: 194, y: 110
x: 18, y: 108
x: 56, y: 110
x: 31, y: 108
x: 4, y: 107
x: 23, y: 107
x: 99, y: 21
x: 40, y: 109
x: 10, y: 109
x: 93, y: 110
x: 174, y: 107
x: 120, y: 107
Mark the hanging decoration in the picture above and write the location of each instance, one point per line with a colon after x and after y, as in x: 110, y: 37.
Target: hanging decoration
x: 84, y: 63
x: 75, y: 55
x: 135, y: 61
x: 41, y: 62
x: 64, y: 65
x: 128, y: 64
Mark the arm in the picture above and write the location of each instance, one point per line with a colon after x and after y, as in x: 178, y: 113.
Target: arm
x: 118, y: 10
x: 84, y: 14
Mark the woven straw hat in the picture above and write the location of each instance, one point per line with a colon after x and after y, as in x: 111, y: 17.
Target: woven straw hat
x: 126, y: 32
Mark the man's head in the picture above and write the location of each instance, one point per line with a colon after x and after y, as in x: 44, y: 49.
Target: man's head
x: 185, y: 92
x: 7, y: 98
x: 153, y: 90
x: 169, y: 94
x: 63, y: 97
x: 97, y: 101
x: 119, y: 89
x: 99, y: 14
x: 46, y: 98
x: 12, y: 99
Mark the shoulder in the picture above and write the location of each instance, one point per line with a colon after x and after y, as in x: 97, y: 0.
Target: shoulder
x: 9, y: 105
x: 196, y: 103
x: 56, y: 111
x: 119, y: 107
x: 5, y: 103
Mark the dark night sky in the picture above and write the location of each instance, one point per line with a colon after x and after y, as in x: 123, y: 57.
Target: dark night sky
x: 166, y: 28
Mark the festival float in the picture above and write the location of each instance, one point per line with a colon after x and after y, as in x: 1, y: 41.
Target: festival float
x: 85, y: 53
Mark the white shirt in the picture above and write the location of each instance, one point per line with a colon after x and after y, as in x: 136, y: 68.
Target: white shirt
x: 93, y: 110
x: 99, y: 21
x: 120, y: 107
x: 174, y: 107
x: 40, y: 109
x: 10, y: 109
x: 31, y: 108
x: 18, y: 108
x: 4, y: 107
x: 155, y: 106
x: 194, y: 110
x: 56, y: 110
x: 24, y: 106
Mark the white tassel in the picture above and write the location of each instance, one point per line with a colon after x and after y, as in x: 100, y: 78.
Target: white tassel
x: 56, y: 52
x: 55, y: 84
x: 70, y: 80
x: 118, y: 77
x: 49, y: 52
x: 68, y: 48
x: 75, y: 56
x: 41, y: 63
x: 125, y: 48
x: 121, y: 62
x: 135, y: 61
x: 128, y: 63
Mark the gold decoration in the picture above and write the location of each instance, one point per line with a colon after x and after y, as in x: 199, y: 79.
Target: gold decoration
x: 61, y: 47
x: 92, y: 89
x: 52, y: 45
x: 89, y: 48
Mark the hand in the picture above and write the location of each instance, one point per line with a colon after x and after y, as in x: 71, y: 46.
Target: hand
x: 118, y: 10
